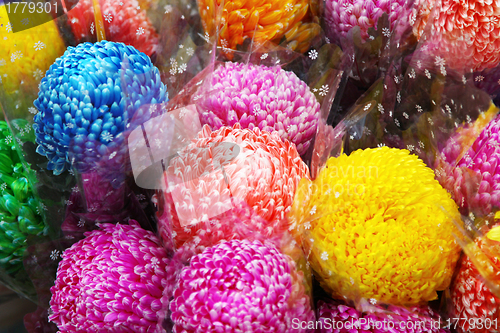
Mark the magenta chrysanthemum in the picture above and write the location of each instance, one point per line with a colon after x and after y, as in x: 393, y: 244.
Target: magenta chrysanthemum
x: 240, y: 286
x: 393, y: 319
x: 231, y: 164
x: 117, y: 279
x: 483, y: 158
x: 343, y: 15
x: 265, y: 97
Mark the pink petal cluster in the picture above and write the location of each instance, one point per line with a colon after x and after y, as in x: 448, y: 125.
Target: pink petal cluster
x: 265, y: 97
x: 378, y: 320
x: 483, y: 159
x: 342, y: 15
x: 240, y: 286
x: 223, y: 167
x: 117, y: 279
x: 470, y: 29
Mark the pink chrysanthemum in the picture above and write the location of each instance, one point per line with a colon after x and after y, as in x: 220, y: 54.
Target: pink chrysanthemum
x: 393, y: 319
x: 483, y: 159
x: 226, y: 166
x: 342, y: 15
x: 265, y: 97
x: 469, y: 29
x: 240, y: 286
x: 117, y: 279
x: 124, y: 21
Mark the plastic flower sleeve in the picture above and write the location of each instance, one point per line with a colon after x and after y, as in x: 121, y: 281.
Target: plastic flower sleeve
x: 22, y: 221
x: 353, y: 221
x: 374, y: 317
x: 117, y: 278
x: 249, y: 26
x: 476, y: 281
x: 25, y: 56
x: 246, y: 270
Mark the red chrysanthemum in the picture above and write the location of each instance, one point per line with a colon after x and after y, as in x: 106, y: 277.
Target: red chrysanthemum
x: 227, y: 166
x: 124, y: 21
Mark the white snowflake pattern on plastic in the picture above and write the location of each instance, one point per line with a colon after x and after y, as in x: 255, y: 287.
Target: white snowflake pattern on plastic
x: 324, y: 256
x: 479, y: 78
x: 55, y: 254
x: 81, y: 223
x: 38, y: 74
x: 3, y: 187
x: 106, y: 136
x: 8, y: 27
x: 16, y: 55
x: 386, y: 32
x: 289, y: 7
x: 323, y: 90
x: 190, y: 51
x: 32, y: 110
x: 92, y: 27
x: 39, y: 46
x: 264, y: 56
x: 108, y: 17
x: 140, y: 31
x: 313, y: 54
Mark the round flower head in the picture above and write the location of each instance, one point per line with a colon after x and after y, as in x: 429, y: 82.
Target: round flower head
x: 117, y: 279
x: 262, y: 21
x: 124, y: 21
x: 227, y: 165
x: 482, y: 158
x: 393, y: 319
x: 472, y: 300
x: 240, y: 286
x: 469, y: 28
x: 19, y: 209
x: 343, y: 15
x: 264, y: 97
x: 357, y: 216
x: 88, y: 99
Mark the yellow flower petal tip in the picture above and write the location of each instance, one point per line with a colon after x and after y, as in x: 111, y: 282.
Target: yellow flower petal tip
x: 377, y: 224
x: 494, y: 233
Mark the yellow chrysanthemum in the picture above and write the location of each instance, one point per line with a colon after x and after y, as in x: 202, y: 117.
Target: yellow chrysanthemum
x: 378, y: 225
x: 25, y: 56
x: 269, y: 20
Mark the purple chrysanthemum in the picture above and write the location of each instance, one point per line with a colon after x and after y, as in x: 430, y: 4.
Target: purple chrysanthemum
x: 483, y: 158
x: 117, y: 279
x: 265, y: 97
x: 346, y: 319
x: 240, y: 286
x: 343, y: 15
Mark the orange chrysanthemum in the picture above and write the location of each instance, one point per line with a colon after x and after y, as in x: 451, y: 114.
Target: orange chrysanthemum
x: 262, y: 20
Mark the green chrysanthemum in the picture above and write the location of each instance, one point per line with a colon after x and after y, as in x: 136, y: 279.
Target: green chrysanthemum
x: 19, y: 215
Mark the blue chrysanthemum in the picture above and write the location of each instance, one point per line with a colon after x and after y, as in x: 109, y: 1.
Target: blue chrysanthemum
x: 89, y: 99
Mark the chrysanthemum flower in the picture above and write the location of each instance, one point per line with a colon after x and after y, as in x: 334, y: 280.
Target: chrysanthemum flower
x: 379, y: 320
x: 356, y: 217
x: 88, y: 99
x: 482, y: 159
x: 240, y: 286
x: 343, y: 15
x: 117, y: 279
x: 124, y: 21
x: 19, y: 209
x: 470, y: 29
x: 25, y: 56
x: 230, y: 164
x: 265, y: 97
x: 473, y: 302
x: 261, y: 21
